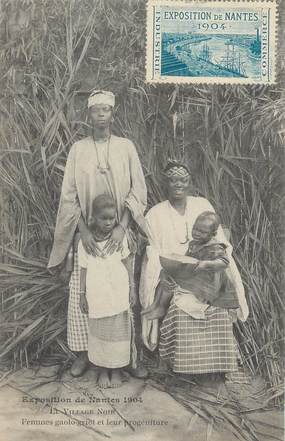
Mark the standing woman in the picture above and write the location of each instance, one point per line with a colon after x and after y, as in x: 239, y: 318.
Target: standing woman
x: 99, y: 164
x: 192, y: 340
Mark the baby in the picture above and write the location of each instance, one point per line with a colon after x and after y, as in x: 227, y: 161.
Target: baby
x: 106, y: 290
x: 205, y: 277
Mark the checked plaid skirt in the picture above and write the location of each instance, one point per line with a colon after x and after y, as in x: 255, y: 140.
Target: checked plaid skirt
x: 77, y: 323
x: 198, y: 346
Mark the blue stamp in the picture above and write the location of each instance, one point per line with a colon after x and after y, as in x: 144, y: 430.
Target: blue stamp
x: 211, y: 42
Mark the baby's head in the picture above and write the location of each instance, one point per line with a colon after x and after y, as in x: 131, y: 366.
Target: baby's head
x: 103, y: 214
x: 205, y: 226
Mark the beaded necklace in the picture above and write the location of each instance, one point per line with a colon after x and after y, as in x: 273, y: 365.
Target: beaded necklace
x: 103, y: 170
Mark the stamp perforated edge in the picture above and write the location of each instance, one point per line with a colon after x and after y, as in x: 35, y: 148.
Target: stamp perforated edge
x: 273, y: 4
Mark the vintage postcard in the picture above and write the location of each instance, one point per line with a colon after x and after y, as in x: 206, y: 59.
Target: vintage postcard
x: 211, y: 42
x: 141, y: 293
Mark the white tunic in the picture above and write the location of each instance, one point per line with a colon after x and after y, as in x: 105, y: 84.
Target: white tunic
x: 107, y: 281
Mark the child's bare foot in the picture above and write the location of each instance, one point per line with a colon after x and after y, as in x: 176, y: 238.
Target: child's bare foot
x: 116, y: 378
x: 155, y: 313
x: 103, y: 379
x: 94, y: 374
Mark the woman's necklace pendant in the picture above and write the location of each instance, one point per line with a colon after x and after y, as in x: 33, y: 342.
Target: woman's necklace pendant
x: 103, y: 170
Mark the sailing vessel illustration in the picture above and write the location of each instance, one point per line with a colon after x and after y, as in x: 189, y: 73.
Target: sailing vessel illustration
x: 205, y: 53
x: 232, y: 60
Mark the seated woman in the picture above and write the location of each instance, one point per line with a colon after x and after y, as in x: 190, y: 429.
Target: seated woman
x: 195, y: 337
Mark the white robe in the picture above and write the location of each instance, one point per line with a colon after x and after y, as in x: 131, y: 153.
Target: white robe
x: 168, y: 231
x: 83, y: 181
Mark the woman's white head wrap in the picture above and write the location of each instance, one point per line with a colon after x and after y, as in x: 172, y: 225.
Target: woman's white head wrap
x: 101, y: 97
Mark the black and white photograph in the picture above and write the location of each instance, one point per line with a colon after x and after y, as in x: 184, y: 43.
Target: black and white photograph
x: 142, y: 222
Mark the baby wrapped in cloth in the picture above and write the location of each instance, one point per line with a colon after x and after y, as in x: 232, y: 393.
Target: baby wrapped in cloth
x: 205, y: 272
x: 213, y: 287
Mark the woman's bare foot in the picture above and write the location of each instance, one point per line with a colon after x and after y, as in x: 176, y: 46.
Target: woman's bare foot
x: 80, y: 364
x: 116, y: 378
x: 103, y: 379
x: 139, y: 372
x: 155, y: 313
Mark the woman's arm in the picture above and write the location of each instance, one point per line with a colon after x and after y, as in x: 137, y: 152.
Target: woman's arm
x: 136, y: 200
x: 212, y: 265
x: 68, y: 214
x: 125, y: 219
x: 135, y: 203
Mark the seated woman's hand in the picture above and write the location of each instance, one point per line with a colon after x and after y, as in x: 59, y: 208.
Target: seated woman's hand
x: 115, y: 243
x: 202, y: 266
x: 207, y: 265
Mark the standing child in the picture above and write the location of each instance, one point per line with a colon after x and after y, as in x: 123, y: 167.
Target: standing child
x: 106, y: 289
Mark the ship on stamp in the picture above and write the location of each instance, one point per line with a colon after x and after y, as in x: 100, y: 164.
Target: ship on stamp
x: 211, y: 42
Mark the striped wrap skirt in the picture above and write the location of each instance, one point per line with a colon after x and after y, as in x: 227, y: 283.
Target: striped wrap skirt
x: 109, y: 340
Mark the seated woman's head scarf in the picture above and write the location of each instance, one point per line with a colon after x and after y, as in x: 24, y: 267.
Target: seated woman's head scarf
x: 176, y: 169
x: 101, y: 97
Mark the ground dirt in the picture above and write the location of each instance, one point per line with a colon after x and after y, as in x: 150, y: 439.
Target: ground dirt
x: 39, y: 405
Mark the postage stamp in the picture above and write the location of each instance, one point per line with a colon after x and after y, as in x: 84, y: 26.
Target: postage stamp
x: 227, y: 41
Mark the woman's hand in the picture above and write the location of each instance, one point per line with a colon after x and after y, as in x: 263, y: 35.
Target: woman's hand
x: 65, y: 275
x: 202, y: 266
x: 115, y: 243
x: 89, y: 242
x: 168, y: 285
x: 83, y: 304
x: 207, y: 265
x: 233, y: 315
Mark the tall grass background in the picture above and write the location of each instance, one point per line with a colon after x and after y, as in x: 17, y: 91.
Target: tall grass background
x: 52, y: 54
